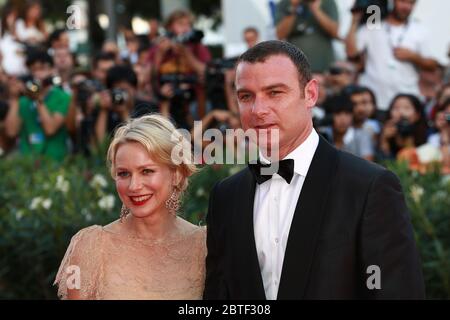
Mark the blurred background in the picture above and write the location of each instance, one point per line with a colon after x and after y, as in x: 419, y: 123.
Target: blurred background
x: 72, y: 71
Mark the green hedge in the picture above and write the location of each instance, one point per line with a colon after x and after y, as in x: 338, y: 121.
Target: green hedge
x: 43, y: 204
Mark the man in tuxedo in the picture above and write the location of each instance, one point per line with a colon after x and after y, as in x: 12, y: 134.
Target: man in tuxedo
x: 328, y: 225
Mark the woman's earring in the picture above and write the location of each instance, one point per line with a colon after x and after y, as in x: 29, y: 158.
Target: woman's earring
x: 173, y: 203
x: 124, y: 212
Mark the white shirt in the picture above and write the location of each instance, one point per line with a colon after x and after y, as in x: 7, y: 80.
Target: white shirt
x: 25, y: 33
x: 13, y: 54
x: 274, y: 207
x: 384, y: 74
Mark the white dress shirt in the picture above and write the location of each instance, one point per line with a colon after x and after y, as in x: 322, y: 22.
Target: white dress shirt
x: 274, y: 207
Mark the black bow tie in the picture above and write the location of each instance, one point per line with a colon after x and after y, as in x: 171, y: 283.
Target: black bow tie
x: 285, y: 170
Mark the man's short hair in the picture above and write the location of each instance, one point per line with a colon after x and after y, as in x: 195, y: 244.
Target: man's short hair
x: 55, y: 36
x: 35, y: 56
x: 251, y: 29
x: 264, y: 50
x: 338, y: 103
x: 103, y: 56
x: 354, y: 89
x: 121, y: 73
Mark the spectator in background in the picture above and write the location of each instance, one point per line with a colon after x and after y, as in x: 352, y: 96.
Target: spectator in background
x: 364, y: 108
x: 37, y: 113
x: 153, y: 33
x: 177, y: 65
x: 143, y: 71
x: 30, y: 28
x: 311, y: 26
x: 251, y: 36
x: 110, y: 47
x: 392, y: 54
x: 12, y: 53
x: 442, y: 96
x: 318, y: 111
x: 405, y: 129
x: 340, y: 75
x: 430, y: 82
x: 100, y: 66
x: 436, y: 150
x: 58, y: 39
x: 221, y: 120
x: 442, y: 126
x: 64, y: 63
x: 130, y: 54
x: 122, y: 102
x: 342, y: 134
x: 441, y: 139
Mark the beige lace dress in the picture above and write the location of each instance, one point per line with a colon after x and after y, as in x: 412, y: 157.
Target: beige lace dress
x: 115, y: 266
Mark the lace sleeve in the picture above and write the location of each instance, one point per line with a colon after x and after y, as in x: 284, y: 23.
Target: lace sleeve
x: 81, y: 264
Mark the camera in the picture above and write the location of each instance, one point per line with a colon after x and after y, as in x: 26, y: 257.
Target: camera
x: 119, y: 96
x: 335, y: 71
x: 193, y: 36
x: 363, y: 5
x: 182, y: 85
x: 405, y: 128
x: 85, y: 89
x: 215, y: 81
x: 34, y: 86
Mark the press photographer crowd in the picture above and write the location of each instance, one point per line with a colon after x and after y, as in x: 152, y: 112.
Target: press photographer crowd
x: 389, y: 99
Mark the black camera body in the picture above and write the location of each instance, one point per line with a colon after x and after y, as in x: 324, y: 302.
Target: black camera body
x: 178, y: 81
x: 194, y: 36
x: 34, y: 86
x: 215, y: 81
x: 405, y: 128
x: 85, y: 89
x: 119, y: 96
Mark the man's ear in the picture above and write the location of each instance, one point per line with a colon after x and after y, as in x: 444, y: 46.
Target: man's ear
x: 311, y: 93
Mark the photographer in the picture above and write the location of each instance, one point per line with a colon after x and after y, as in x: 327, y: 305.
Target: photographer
x: 221, y: 120
x: 310, y: 25
x: 441, y: 139
x: 88, y: 95
x: 120, y: 102
x: 179, y: 60
x: 405, y: 129
x: 37, y: 111
x: 391, y: 53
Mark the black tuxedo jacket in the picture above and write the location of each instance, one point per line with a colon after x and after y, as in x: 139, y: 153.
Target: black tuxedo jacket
x: 351, y: 214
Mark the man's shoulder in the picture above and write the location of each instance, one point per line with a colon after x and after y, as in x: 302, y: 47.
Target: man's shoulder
x: 358, y: 170
x: 235, y: 180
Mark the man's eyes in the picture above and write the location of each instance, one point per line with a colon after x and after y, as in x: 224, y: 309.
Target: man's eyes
x: 244, y: 97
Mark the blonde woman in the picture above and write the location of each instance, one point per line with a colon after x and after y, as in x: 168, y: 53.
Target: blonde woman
x: 150, y: 252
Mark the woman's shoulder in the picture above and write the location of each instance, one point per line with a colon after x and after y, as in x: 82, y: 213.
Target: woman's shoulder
x: 189, y: 229
x: 89, y: 234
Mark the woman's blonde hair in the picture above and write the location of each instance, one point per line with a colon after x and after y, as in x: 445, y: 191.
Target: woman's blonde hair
x: 164, y: 143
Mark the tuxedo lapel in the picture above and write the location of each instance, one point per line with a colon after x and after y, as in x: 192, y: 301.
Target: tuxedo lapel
x: 306, y: 223
x: 245, y: 257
